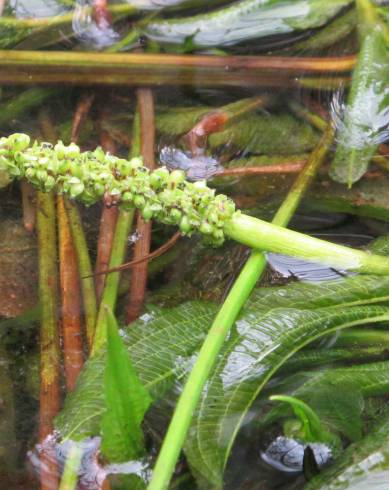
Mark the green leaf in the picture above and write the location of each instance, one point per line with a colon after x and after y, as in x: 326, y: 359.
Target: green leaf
x: 365, y: 119
x: 367, y: 198
x: 265, y: 337
x: 245, y: 20
x: 126, y: 401
x: 161, y: 343
x: 164, y: 342
x: 270, y: 135
x: 336, y: 396
x: 363, y: 465
x: 312, y: 429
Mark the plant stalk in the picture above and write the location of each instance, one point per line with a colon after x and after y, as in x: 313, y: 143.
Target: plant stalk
x: 138, y: 284
x: 72, y: 466
x: 118, y: 253
x: 146, y: 69
x: 108, y: 220
x: 49, y: 338
x: 71, y: 299
x: 238, y: 295
x: 85, y: 269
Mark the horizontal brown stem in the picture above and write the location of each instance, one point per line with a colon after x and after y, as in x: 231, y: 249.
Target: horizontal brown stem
x: 80, y: 68
x: 282, y: 168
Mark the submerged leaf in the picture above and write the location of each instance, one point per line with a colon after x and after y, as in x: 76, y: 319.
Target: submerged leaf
x: 367, y: 112
x: 336, y: 395
x: 270, y: 135
x: 362, y: 466
x: 163, y: 344
x: 126, y: 401
x: 311, y: 429
x: 267, y: 334
x: 245, y: 20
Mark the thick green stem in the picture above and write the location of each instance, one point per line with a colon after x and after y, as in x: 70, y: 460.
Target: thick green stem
x: 85, y: 269
x: 222, y: 324
x: 72, y: 466
x: 259, y: 234
x: 50, y: 361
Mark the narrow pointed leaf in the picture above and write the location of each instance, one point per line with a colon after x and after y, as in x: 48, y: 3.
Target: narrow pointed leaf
x: 126, y: 401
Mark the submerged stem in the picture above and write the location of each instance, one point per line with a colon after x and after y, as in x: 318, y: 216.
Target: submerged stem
x: 71, y: 299
x: 85, y: 269
x: 222, y: 324
x: 109, y: 297
x: 49, y: 338
x: 146, y: 131
x: 72, y: 466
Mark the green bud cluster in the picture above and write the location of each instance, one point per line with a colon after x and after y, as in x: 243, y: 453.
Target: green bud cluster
x: 94, y: 175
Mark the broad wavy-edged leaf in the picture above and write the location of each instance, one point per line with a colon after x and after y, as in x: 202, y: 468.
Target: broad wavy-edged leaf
x: 161, y: 345
x: 245, y: 20
x: 263, y: 340
x: 126, y: 401
x: 362, y: 466
x: 366, y: 117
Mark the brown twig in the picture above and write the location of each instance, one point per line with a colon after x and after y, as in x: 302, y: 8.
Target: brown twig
x: 71, y: 300
x: 81, y: 113
x: 29, y: 205
x: 108, y: 221
x: 153, y: 255
x: 282, y: 168
x: 142, y: 246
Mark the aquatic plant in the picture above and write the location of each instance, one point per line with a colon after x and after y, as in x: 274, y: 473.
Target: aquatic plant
x: 164, y: 196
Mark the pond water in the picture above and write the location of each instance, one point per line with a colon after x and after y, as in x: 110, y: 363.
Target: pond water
x: 245, y: 95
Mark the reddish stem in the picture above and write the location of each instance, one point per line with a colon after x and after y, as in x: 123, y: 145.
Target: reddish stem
x: 108, y: 221
x: 215, y: 121
x: 71, y: 300
x: 142, y: 246
x: 81, y: 113
x: 282, y: 168
x: 153, y: 255
x: 101, y: 14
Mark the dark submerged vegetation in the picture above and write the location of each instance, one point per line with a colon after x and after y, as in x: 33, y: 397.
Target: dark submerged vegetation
x: 193, y: 366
